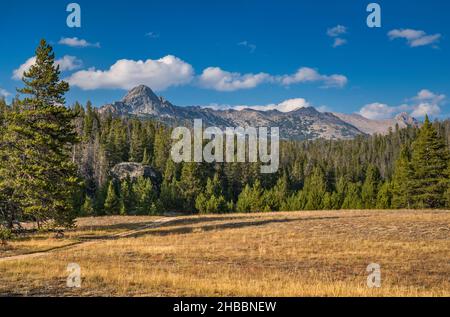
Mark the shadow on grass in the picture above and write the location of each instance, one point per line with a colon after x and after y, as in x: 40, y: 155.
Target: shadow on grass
x: 143, y: 224
x: 235, y: 225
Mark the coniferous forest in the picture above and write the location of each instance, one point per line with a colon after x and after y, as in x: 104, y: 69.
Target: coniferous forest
x: 56, y: 163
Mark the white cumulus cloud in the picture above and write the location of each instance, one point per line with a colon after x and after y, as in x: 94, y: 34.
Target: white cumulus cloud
x: 415, y: 38
x: 125, y: 74
x: 221, y: 80
x: 377, y: 111
x: 427, y: 103
x: 429, y: 96
x: 426, y: 108
x: 306, y: 74
x: 76, y: 42
x: 66, y: 63
x: 424, y: 103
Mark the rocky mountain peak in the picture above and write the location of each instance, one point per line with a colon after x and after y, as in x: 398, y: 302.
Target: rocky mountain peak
x: 139, y: 95
x: 305, y: 123
x: 141, y: 100
x: 407, y: 119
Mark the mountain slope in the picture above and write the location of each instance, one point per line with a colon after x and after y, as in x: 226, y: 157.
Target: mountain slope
x: 301, y: 124
x: 377, y: 126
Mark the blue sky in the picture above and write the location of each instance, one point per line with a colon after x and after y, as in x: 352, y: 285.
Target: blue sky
x: 253, y: 53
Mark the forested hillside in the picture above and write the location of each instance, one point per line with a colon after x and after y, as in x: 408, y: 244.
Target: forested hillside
x: 57, y: 164
x: 319, y: 174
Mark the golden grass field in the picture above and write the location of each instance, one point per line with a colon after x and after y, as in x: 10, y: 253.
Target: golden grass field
x: 320, y: 253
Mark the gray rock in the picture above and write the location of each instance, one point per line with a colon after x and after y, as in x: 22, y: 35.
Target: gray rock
x: 132, y: 171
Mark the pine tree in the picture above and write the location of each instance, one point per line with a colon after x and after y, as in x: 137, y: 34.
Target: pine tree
x: 88, y: 208
x: 145, y: 157
x: 327, y: 201
x: 143, y: 195
x: 99, y: 200
x: 89, y: 122
x: 170, y: 196
x: 126, y: 200
x: 190, y: 184
x: 112, y: 201
x: 338, y: 196
x: 161, y: 149
x: 251, y: 199
x: 136, y: 142
x: 315, y: 189
x: 8, y: 202
x: 447, y: 193
x: 447, y: 197
x: 212, y: 200
x: 384, y: 196
x: 256, y: 197
x: 40, y: 135
x: 244, y: 203
x: 369, y: 190
x: 401, y: 189
x: 276, y: 197
x: 352, y: 199
x: 429, y: 163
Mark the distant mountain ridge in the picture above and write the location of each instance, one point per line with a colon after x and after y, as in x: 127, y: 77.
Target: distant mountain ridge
x: 301, y: 124
x: 371, y: 126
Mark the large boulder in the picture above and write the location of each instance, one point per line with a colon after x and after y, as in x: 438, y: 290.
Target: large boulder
x: 133, y: 171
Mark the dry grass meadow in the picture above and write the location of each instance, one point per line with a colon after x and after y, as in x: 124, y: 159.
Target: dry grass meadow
x: 320, y: 253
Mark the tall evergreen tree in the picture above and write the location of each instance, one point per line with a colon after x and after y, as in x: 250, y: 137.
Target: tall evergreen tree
x: 275, y: 198
x: 89, y: 122
x: 370, y: 187
x: 112, y: 201
x: 212, y: 200
x: 338, y: 196
x: 315, y: 189
x: 88, y: 208
x: 352, y: 198
x: 447, y: 193
x: 126, y: 199
x: 40, y: 134
x: 429, y: 162
x: 251, y: 199
x: 244, y: 203
x: 190, y: 184
x: 384, y: 196
x: 136, y: 142
x: 401, y: 189
x: 161, y: 148
x: 143, y: 196
x: 145, y: 157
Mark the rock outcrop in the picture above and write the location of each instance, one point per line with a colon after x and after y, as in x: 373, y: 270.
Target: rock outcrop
x: 132, y: 171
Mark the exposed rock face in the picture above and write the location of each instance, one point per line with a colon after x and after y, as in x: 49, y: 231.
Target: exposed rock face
x: 378, y: 126
x: 301, y: 124
x: 139, y: 101
x: 406, y: 119
x: 132, y: 171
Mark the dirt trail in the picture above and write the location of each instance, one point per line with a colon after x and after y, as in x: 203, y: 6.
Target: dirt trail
x: 84, y: 243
